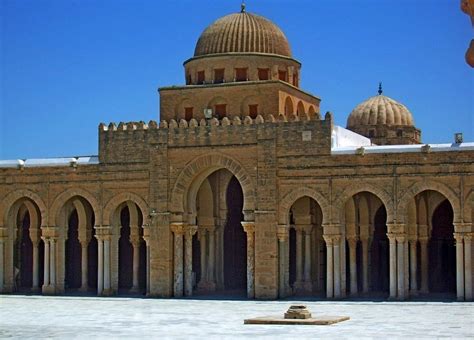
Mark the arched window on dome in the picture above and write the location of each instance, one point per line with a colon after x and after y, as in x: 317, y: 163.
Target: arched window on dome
x: 263, y: 74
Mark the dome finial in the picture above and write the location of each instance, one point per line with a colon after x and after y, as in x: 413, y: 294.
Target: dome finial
x: 242, y: 7
x: 380, y: 88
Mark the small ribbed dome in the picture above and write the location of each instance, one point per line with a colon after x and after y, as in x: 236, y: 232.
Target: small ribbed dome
x: 380, y: 110
x: 240, y: 33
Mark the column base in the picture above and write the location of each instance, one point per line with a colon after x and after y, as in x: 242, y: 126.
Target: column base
x: 134, y: 290
x: 107, y: 292
x: 303, y: 288
x: 48, y: 290
x: 206, y: 287
x: 83, y: 289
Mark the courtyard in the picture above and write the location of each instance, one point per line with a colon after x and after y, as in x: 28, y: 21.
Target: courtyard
x: 86, y: 317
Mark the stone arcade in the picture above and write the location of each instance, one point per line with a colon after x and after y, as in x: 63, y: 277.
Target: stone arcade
x: 243, y: 186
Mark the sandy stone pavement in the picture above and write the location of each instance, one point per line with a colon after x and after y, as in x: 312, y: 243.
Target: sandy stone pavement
x: 91, y: 317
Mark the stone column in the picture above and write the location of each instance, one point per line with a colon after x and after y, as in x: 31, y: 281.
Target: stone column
x: 146, y: 238
x: 46, y: 280
x: 188, y: 259
x: 135, y: 241
x: 413, y: 269
x: 365, y: 265
x: 2, y: 264
x: 459, y: 266
x: 178, y: 231
x: 353, y: 264
x: 100, y: 266
x: 203, y: 252
x: 329, y: 266
x: 299, y: 256
x: 249, y: 228
x: 107, y: 289
x: 393, y: 266
x: 84, y: 267
x: 212, y: 259
x: 337, y: 266
x: 35, y: 266
x: 424, y: 264
x: 467, y: 266
x: 52, y: 262
x: 282, y: 234
x: 401, y: 267
x: 307, y: 258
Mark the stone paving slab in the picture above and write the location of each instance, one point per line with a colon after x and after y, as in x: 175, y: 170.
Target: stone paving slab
x: 91, y: 317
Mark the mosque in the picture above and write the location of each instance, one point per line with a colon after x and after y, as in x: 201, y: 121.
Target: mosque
x: 245, y: 188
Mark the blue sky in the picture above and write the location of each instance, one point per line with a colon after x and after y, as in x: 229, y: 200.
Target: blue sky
x: 67, y: 65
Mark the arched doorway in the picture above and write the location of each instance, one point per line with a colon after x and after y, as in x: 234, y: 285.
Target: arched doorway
x: 432, y: 249
x: 130, y: 249
x: 219, y: 254
x: 235, y: 240
x: 307, y: 251
x: 28, y: 250
x: 442, y: 251
x: 77, y: 246
x: 367, y: 247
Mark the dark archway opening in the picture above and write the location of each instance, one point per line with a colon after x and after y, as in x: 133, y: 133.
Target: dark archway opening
x: 379, y: 254
x: 73, y: 254
x: 442, y: 251
x: 235, y: 240
x: 196, y: 259
x: 23, y: 270
x: 125, y: 252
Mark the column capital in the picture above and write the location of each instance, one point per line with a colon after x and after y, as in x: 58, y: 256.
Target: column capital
x: 468, y: 236
x: 462, y: 227
x: 459, y: 237
x: 401, y: 239
x: 423, y: 239
x: 332, y: 239
x: 3, y: 233
x: 50, y: 231
x: 396, y: 228
x: 352, y: 240
x: 249, y: 227
x: 190, y: 230
x: 282, y: 233
x: 177, y: 228
x: 135, y: 239
x: 102, y: 232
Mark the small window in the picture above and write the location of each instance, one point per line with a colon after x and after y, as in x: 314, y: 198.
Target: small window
x: 201, y: 76
x: 188, y: 79
x: 399, y: 133
x: 371, y: 133
x: 188, y: 113
x: 218, y: 76
x: 241, y: 74
x: 282, y: 75
x: 253, y: 111
x: 263, y: 74
x: 295, y: 79
x: 221, y: 110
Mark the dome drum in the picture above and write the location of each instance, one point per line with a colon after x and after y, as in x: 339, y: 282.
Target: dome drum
x: 225, y: 68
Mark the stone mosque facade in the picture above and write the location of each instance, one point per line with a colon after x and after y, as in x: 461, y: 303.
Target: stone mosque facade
x: 245, y: 188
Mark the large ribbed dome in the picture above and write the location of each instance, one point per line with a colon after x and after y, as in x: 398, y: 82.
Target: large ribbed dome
x: 380, y: 110
x: 240, y: 33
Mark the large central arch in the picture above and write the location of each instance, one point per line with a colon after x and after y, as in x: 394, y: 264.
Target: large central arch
x: 195, y: 172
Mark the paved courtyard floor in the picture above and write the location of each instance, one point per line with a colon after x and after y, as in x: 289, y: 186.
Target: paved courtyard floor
x: 92, y: 317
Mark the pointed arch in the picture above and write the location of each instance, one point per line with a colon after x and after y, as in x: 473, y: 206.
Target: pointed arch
x: 118, y: 199
x: 66, y: 195
x: 294, y: 195
x: 16, y: 195
x: 354, y: 189
x: 421, y: 186
x: 198, y: 169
